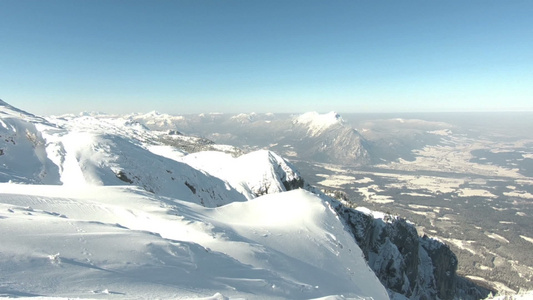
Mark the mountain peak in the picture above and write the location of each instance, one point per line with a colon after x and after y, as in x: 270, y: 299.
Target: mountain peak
x: 153, y: 113
x: 318, y: 122
x: 245, y: 118
x: 9, y: 110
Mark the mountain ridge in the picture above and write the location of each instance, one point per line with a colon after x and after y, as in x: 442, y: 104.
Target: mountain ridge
x: 113, y: 155
x: 309, y: 136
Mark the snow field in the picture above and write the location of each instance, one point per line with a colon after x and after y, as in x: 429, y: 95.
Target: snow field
x: 79, y: 242
x: 96, y: 207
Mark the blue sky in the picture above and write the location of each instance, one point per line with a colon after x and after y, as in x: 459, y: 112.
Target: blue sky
x: 266, y: 56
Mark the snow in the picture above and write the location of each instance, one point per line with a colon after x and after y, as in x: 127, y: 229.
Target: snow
x: 244, y: 118
x: 167, y: 151
x: 155, y: 118
x: 78, y: 242
x: 374, y: 214
x: 252, y: 174
x: 527, y: 238
x: 464, y: 245
x: 93, y: 206
x: 468, y: 192
x: 23, y: 146
x: 370, y: 195
x: 455, y: 156
x: 520, y: 296
x: 86, y: 150
x: 337, y: 181
x: 364, y: 180
x: 441, y: 132
x: 519, y: 194
x: 434, y: 184
x: 417, y: 195
x: 415, y: 206
x: 316, y: 122
x: 497, y: 237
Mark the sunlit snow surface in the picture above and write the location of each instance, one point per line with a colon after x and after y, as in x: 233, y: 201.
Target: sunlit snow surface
x: 97, y: 208
x: 122, y: 242
x: 318, y: 122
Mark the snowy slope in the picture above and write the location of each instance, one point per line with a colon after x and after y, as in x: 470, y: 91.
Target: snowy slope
x: 86, y: 150
x: 123, y: 242
x: 107, y: 159
x: 327, y: 138
x: 312, y: 136
x: 253, y: 174
x: 22, y: 148
x: 159, y: 120
x: 95, y: 206
x: 317, y: 123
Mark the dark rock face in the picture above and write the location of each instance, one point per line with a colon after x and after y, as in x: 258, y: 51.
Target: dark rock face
x: 408, y: 265
x: 287, y: 174
x: 444, y: 266
x: 293, y: 184
x: 122, y: 176
x: 339, y: 144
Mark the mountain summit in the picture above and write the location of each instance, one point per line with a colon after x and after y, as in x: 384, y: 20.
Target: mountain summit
x: 317, y: 123
x: 328, y: 139
x: 98, y: 205
x: 88, y: 209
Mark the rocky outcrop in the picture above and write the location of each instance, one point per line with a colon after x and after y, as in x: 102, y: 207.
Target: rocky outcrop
x: 408, y: 265
x: 271, y: 173
x: 293, y: 184
x: 444, y: 264
x: 338, y: 143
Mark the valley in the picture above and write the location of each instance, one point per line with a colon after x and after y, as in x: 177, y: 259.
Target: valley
x: 284, y: 150
x: 465, y: 179
x: 475, y: 194
x: 424, y: 208
x: 485, y: 223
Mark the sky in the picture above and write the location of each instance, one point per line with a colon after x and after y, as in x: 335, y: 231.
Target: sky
x: 181, y: 57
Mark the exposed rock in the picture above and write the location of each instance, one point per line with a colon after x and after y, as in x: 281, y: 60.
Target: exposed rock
x: 122, y: 176
x: 330, y: 145
x: 191, y: 187
x: 408, y: 265
x: 444, y: 266
x: 277, y: 170
x: 296, y: 183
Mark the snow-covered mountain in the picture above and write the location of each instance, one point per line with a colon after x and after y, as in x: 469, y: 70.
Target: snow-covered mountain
x: 312, y: 136
x: 317, y: 123
x: 328, y: 139
x: 87, y: 210
x: 87, y: 150
x: 253, y: 174
x: 23, y: 155
x: 96, y: 206
x: 123, y: 242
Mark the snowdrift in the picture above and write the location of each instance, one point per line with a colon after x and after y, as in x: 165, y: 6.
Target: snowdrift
x: 124, y: 242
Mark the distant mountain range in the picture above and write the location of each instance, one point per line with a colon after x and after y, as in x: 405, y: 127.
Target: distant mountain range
x: 132, y: 207
x: 310, y: 136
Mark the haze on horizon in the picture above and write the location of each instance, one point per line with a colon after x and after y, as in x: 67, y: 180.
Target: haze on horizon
x: 183, y: 57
